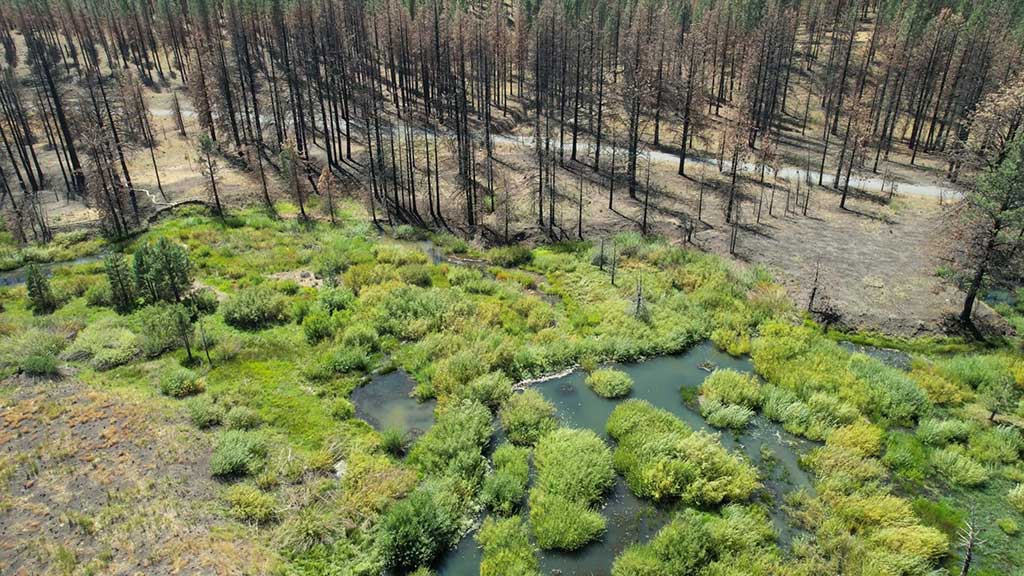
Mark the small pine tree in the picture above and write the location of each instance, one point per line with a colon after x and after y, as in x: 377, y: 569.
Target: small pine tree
x: 122, y: 287
x: 328, y: 190
x: 40, y: 296
x: 185, y: 328
x: 162, y: 271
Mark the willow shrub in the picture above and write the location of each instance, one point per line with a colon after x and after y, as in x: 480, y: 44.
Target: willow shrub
x: 453, y: 446
x: 740, y: 541
x: 610, y: 383
x: 574, y: 471
x: 939, y: 432
x: 1016, y: 497
x: 662, y: 459
x: 959, y: 469
x: 507, y: 550
x: 505, y: 487
x: 254, y: 308
x: 732, y: 387
x: 416, y: 530
x: 526, y: 417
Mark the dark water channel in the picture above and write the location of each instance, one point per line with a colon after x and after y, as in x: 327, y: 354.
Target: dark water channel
x: 629, y: 519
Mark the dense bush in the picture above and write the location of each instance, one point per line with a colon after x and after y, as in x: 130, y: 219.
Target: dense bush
x: 242, y: 418
x: 959, y: 469
x: 40, y: 295
x: 720, y: 415
x: 491, y: 389
x: 250, y: 504
x: 204, y: 301
x: 453, y: 446
x: 180, y: 382
x: 662, y: 459
x: 360, y: 336
x: 940, y: 390
x: 509, y: 256
x: 893, y: 396
x: 1016, y: 497
x: 936, y: 432
x: 415, y: 530
x: 574, y: 470
x: 732, y: 387
x: 237, y: 453
x: 861, y: 438
x: 562, y: 524
x: 32, y: 351
x: 504, y: 489
x: 254, y: 308
x: 737, y: 542
x: 317, y: 325
x: 104, y: 344
x: 204, y: 412
x: 575, y: 464
x: 157, y: 329
x: 526, y: 417
x: 335, y: 299
x: 507, y: 550
x: 340, y: 360
x: 610, y: 383
x: 906, y: 455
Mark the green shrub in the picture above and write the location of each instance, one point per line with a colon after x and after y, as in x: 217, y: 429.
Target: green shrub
x: 974, y: 371
x: 959, y: 469
x: 250, y: 504
x: 32, y: 351
x: 242, y: 418
x: 507, y: 550
x: 180, y: 382
x: 40, y: 296
x: 575, y: 464
x: 105, y: 344
x: 40, y: 365
x: 861, y: 438
x: 936, y: 432
x: 98, y: 295
x: 721, y: 415
x: 1016, y: 497
x: 453, y: 446
x: 892, y: 395
x: 996, y: 445
x: 416, y: 530
x: 317, y: 326
x: 574, y: 470
x: 392, y: 440
x: 491, y: 389
x: 639, y: 416
x: 157, y: 329
x: 562, y: 524
x: 204, y: 412
x: 732, y: 387
x: 609, y: 383
x: 335, y: 299
x: 254, y: 308
x: 662, y: 459
x: 1008, y: 525
x: 502, y: 492
x: 309, y: 528
x: 338, y: 361
x: 415, y: 274
x: 238, y: 452
x: 360, y: 336
x: 526, y: 417
x: 510, y: 256
x: 342, y: 408
x: 204, y: 301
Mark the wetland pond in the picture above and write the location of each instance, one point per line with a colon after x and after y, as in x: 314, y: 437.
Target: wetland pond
x: 384, y: 402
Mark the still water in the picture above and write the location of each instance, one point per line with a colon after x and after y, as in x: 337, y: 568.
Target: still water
x: 660, y: 381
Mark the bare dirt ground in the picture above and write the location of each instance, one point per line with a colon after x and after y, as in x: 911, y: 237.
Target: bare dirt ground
x: 94, y: 482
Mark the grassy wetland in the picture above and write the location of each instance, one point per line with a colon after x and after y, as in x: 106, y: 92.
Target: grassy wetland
x: 251, y: 349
